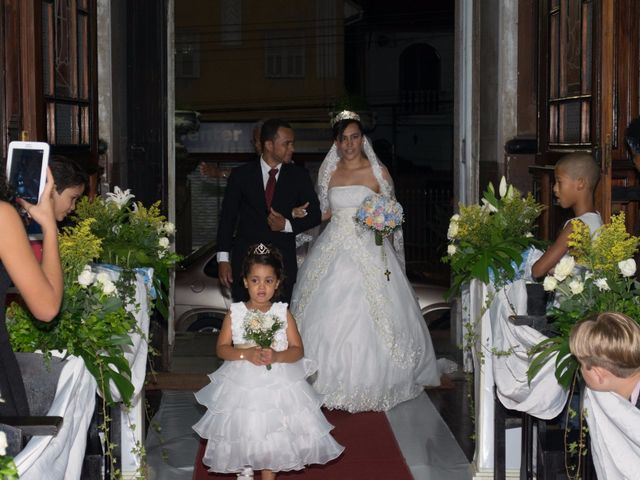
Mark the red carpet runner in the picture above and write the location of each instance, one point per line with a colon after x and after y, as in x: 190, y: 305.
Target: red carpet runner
x: 371, y: 452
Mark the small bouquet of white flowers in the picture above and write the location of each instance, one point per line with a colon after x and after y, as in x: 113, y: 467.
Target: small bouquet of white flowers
x: 381, y: 214
x: 260, y: 328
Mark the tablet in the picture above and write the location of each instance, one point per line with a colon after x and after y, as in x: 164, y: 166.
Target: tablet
x: 27, y: 169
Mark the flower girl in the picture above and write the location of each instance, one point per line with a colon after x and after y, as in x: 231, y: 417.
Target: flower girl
x: 261, y: 412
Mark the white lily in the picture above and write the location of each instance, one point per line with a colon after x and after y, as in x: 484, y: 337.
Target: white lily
x: 119, y: 197
x: 502, y: 189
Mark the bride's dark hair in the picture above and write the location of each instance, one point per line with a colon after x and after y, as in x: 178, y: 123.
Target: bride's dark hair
x: 339, y: 127
x: 261, y: 254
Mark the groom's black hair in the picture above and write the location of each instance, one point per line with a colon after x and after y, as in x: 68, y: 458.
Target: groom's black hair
x: 269, y: 255
x: 270, y: 128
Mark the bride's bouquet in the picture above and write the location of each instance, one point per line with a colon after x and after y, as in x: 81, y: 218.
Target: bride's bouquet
x: 260, y: 328
x: 381, y: 214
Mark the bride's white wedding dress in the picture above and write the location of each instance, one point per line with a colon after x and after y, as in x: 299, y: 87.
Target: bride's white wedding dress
x: 366, y: 333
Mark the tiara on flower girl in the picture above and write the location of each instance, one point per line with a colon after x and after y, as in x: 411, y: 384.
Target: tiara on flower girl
x: 261, y: 249
x: 345, y: 115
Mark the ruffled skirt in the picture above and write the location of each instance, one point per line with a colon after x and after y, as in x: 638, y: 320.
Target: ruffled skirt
x: 265, y: 419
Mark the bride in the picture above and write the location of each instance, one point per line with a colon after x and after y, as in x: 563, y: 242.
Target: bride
x: 363, y: 326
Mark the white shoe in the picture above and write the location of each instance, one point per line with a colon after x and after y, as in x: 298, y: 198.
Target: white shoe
x: 246, y: 474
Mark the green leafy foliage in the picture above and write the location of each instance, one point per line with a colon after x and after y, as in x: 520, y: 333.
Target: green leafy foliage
x: 487, y: 240
x: 93, y: 322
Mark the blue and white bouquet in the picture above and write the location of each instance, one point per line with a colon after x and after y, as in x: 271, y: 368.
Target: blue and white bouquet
x: 381, y: 214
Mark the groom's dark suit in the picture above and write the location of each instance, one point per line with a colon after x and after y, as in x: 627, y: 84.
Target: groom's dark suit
x: 243, y: 219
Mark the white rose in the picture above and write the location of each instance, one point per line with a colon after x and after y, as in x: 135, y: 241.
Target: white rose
x: 576, y: 286
x: 102, y: 278
x: 453, y: 229
x: 108, y: 287
x: 3, y: 444
x: 268, y: 322
x: 451, y: 250
x: 169, y: 228
x: 627, y: 267
x: 163, y: 242
x: 564, y: 268
x: 602, y: 284
x: 502, y: 189
x: 86, y: 278
x: 549, y: 284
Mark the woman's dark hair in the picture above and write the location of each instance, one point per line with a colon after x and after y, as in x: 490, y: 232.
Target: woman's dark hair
x: 67, y: 173
x: 632, y: 136
x: 339, y: 127
x: 8, y: 195
x: 270, y: 128
x: 261, y: 254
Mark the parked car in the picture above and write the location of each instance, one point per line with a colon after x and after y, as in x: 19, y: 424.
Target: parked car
x: 200, y: 302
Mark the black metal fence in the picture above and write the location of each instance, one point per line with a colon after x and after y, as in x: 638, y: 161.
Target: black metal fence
x: 428, y: 206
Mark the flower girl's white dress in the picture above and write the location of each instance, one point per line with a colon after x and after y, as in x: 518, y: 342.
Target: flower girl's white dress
x: 265, y: 419
x: 367, y: 334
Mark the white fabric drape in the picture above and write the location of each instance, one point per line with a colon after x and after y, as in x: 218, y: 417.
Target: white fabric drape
x: 60, y: 457
x: 615, y: 435
x: 544, y: 398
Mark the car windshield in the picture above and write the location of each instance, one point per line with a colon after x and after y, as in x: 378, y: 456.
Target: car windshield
x: 202, y: 252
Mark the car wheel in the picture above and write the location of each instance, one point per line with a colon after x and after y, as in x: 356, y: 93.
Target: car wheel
x: 206, y: 323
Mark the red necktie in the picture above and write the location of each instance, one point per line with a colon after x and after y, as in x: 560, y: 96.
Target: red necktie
x: 270, y: 188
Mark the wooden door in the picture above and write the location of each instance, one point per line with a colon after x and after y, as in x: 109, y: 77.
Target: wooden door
x: 588, y: 60
x: 49, y: 82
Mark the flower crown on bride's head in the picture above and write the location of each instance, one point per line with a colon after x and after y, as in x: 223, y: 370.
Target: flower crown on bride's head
x: 345, y: 115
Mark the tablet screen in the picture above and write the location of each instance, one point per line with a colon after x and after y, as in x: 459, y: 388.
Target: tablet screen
x: 25, y: 174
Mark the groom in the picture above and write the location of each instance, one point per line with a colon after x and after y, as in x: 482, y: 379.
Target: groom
x: 257, y: 206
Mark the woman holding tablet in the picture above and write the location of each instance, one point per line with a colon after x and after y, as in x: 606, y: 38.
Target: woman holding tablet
x: 39, y: 284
